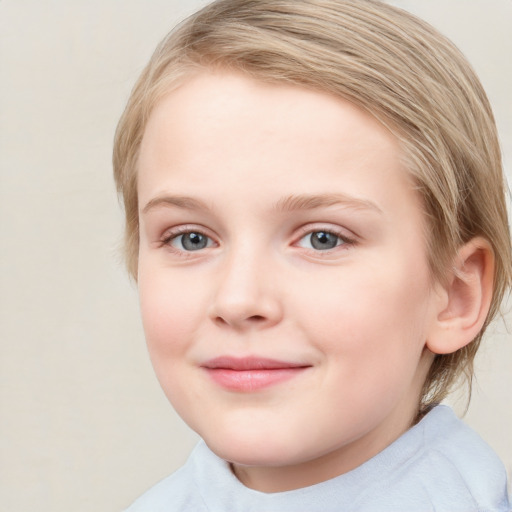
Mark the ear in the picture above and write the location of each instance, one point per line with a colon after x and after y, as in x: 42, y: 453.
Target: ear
x: 465, y: 299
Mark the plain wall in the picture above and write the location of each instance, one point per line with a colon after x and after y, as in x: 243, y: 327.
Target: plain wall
x: 83, y: 423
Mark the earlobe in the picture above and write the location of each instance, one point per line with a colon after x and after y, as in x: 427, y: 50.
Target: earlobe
x: 465, y: 299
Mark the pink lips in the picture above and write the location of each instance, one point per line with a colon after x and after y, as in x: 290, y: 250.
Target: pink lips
x: 250, y: 373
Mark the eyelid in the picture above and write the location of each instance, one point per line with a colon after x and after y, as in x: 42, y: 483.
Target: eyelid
x: 347, y: 237
x: 343, y: 233
x: 174, y: 232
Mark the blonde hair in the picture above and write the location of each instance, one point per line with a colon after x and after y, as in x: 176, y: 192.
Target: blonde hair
x: 385, y: 60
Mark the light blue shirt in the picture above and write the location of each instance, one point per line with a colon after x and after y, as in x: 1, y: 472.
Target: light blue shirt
x: 438, y: 465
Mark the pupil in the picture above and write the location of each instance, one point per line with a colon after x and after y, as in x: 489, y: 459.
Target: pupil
x: 194, y: 241
x: 323, y: 240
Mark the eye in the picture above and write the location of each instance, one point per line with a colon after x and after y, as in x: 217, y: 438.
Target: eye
x: 321, y: 240
x: 190, y: 241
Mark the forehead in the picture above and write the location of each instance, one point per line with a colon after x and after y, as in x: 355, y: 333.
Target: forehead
x: 220, y: 128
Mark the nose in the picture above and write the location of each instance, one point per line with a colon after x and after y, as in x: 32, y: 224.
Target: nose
x: 246, y: 295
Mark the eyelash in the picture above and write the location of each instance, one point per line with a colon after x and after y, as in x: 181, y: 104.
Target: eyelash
x: 344, y: 240
x: 180, y: 231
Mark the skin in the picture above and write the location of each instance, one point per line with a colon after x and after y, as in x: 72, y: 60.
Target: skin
x: 238, y: 161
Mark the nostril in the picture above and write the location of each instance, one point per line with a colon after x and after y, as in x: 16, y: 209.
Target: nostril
x: 220, y: 321
x: 256, y: 318
x: 244, y: 313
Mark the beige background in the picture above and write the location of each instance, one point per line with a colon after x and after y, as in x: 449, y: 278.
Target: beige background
x: 83, y: 423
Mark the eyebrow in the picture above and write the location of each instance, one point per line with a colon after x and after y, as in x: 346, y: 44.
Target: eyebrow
x: 287, y: 204
x: 188, y: 203
x: 312, y: 201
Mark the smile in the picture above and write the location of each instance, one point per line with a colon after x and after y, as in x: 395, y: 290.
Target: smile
x: 251, y: 373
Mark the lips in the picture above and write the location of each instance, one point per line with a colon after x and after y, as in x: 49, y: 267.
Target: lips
x: 251, y: 373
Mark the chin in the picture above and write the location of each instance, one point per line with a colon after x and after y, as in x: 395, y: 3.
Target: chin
x: 255, y: 450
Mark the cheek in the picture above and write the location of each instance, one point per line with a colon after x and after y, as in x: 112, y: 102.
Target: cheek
x: 168, y: 313
x: 372, y: 322
x: 170, y: 323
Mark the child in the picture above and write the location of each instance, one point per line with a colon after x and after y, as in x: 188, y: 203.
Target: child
x: 316, y: 219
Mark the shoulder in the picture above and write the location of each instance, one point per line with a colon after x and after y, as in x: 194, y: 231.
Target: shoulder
x: 439, y: 465
x: 456, y: 467
x: 177, y: 492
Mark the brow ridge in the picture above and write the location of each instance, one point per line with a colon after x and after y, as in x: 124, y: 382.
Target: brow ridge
x: 185, y: 202
x: 312, y: 201
x: 289, y: 203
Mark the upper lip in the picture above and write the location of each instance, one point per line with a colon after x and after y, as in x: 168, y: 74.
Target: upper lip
x: 249, y: 363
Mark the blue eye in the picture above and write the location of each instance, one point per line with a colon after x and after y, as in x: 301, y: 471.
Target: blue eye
x: 321, y: 240
x: 191, y: 241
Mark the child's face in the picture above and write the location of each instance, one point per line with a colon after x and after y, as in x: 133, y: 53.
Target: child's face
x: 284, y: 285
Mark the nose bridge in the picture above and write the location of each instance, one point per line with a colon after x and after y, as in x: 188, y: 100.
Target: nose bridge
x: 245, y: 292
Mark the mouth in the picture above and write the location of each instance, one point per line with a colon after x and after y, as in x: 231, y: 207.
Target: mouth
x: 251, y: 373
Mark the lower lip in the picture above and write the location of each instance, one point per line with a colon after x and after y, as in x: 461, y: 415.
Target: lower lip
x: 252, y: 380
